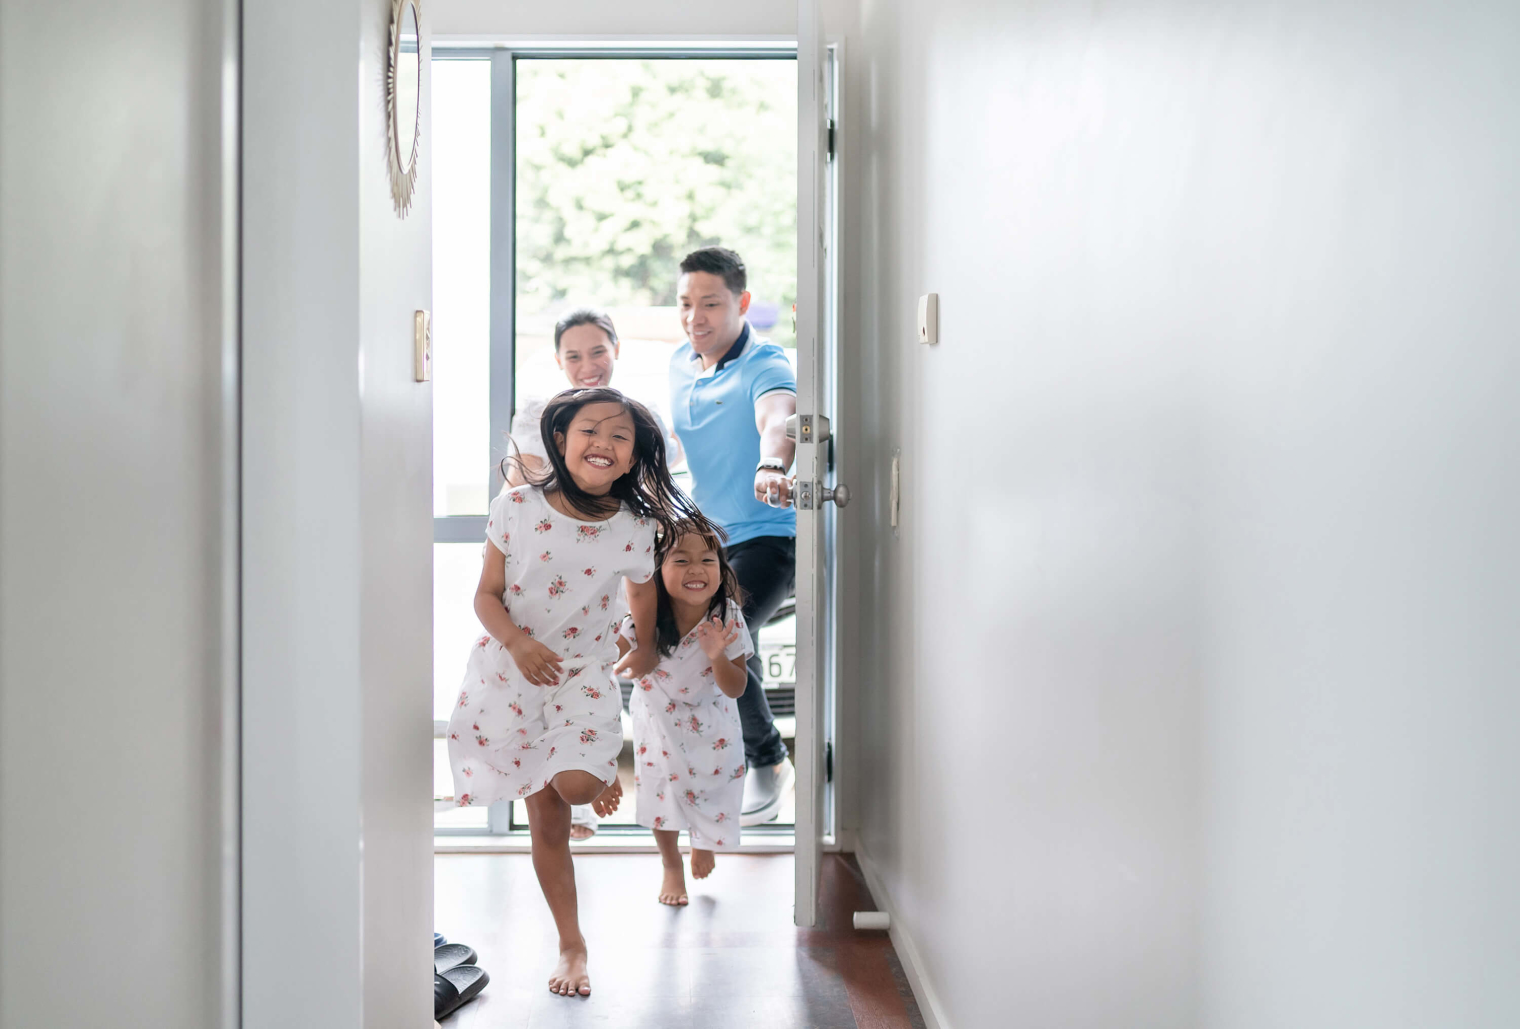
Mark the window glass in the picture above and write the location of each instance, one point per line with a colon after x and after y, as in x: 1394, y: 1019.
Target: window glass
x: 456, y: 573
x: 624, y: 166
x: 461, y: 129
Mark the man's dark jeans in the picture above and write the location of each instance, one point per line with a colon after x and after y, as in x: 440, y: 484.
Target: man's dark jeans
x: 767, y: 569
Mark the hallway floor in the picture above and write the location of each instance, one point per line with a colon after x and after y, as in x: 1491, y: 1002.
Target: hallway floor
x: 730, y: 960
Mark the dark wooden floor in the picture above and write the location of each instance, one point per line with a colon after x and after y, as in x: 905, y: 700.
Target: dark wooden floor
x: 731, y: 960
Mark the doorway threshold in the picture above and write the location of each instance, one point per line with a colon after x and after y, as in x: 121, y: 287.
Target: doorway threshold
x: 602, y: 843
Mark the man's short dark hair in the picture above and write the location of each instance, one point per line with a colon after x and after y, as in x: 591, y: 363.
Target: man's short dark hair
x: 717, y: 261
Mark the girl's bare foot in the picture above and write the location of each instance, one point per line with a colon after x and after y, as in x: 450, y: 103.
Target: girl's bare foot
x: 607, y: 801
x: 570, y: 978
x: 581, y: 832
x: 673, y: 889
x: 702, y: 862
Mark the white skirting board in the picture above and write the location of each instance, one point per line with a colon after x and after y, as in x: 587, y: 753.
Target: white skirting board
x: 907, y: 952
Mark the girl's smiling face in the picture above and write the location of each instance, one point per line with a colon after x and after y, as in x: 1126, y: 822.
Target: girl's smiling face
x: 598, y: 446
x: 691, y: 571
x: 587, y: 356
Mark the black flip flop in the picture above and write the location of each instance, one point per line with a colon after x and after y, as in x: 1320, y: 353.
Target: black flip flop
x: 453, y: 988
x: 452, y: 955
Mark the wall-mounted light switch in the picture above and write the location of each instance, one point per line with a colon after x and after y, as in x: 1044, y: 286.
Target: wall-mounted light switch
x: 928, y: 318
x: 422, y: 345
x: 894, y: 496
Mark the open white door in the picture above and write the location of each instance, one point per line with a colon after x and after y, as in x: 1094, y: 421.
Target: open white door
x: 812, y: 455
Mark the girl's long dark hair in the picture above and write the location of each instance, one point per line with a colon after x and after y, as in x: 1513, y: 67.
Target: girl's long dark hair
x: 647, y: 488
x: 667, y: 633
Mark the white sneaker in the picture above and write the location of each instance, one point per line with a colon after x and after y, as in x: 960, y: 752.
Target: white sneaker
x: 764, y: 790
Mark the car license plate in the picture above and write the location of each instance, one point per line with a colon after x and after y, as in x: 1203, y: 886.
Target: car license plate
x: 779, y: 662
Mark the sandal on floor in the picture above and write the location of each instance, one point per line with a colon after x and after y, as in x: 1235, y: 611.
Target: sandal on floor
x: 452, y: 989
x: 452, y: 955
x: 583, y: 816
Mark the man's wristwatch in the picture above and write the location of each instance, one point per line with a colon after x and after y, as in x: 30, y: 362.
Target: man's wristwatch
x: 775, y: 464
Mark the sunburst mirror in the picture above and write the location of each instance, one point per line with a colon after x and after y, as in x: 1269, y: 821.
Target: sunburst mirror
x: 403, y: 100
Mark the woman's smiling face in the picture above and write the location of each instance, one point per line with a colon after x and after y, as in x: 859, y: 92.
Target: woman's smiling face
x: 691, y: 571
x: 587, y: 356
x: 598, y: 446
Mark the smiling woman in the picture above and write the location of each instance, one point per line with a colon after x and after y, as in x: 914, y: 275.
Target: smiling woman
x: 586, y: 348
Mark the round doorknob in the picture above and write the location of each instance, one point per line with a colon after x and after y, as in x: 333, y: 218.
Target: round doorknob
x: 840, y: 495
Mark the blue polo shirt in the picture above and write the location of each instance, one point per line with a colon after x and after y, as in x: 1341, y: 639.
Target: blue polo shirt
x: 713, y: 412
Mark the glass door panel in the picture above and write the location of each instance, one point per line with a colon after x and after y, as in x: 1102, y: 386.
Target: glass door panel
x: 461, y: 287
x: 598, y: 175
x: 623, y: 167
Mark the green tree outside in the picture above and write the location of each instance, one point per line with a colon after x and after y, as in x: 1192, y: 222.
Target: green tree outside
x: 623, y: 166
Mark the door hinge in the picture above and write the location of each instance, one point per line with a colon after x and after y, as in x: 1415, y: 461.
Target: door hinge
x: 828, y: 761
x: 831, y: 139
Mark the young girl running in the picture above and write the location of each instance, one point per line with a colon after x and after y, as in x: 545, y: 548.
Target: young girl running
x: 688, y: 750
x: 538, y: 714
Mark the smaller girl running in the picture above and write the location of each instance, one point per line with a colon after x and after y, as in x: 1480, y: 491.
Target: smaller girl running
x: 688, y: 748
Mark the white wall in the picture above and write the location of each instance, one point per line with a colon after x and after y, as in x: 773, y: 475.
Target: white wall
x: 1028, y: 695
x: 117, y: 514
x: 1188, y: 692
x: 1354, y: 310
x: 337, y: 534
x: 396, y: 590
x: 589, y: 19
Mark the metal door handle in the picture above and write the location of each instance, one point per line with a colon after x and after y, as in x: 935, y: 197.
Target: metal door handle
x: 840, y: 495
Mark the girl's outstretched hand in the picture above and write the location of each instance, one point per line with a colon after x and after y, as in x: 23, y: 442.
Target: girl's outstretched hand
x: 637, y: 663
x: 714, y: 637
x: 538, y: 663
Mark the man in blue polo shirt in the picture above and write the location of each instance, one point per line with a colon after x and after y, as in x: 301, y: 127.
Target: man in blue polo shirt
x: 731, y: 393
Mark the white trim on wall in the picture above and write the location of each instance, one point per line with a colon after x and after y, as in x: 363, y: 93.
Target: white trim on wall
x: 907, y: 950
x: 230, y: 671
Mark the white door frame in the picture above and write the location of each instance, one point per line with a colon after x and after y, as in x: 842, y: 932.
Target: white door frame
x: 816, y: 388
x: 499, y: 838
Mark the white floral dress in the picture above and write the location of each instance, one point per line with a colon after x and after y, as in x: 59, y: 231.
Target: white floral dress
x: 688, y: 744
x: 507, y: 737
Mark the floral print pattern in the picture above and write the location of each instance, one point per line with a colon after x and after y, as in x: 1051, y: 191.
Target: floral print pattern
x: 507, y: 738
x: 683, y: 727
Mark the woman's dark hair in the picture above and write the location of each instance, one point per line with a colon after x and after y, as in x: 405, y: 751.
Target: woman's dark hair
x: 584, y: 316
x: 667, y: 634
x: 647, y: 488
x: 717, y: 261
